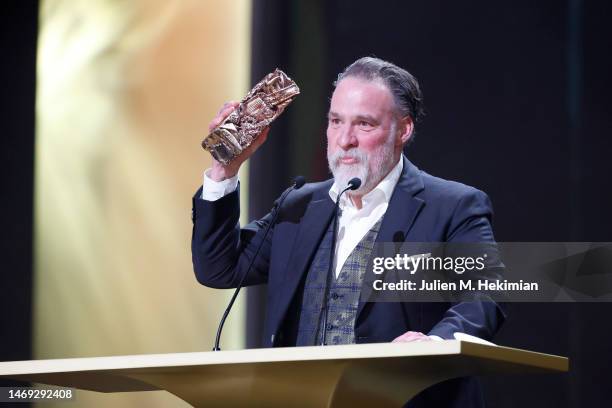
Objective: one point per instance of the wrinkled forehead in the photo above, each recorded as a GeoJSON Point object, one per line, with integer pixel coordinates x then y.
{"type": "Point", "coordinates": [357, 96]}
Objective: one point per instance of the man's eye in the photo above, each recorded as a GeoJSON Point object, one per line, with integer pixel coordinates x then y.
{"type": "Point", "coordinates": [363, 123]}
{"type": "Point", "coordinates": [334, 121]}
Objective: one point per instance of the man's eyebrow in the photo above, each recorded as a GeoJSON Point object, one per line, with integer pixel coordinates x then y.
{"type": "Point", "coordinates": [332, 114]}
{"type": "Point", "coordinates": [367, 118]}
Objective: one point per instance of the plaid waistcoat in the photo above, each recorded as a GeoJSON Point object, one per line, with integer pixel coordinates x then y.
{"type": "Point", "coordinates": [342, 295]}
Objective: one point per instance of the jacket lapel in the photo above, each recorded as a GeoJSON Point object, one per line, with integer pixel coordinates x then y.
{"type": "Point", "coordinates": [400, 215]}
{"type": "Point", "coordinates": [403, 206]}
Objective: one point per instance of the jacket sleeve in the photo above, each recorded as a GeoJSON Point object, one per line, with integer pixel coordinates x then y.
{"type": "Point", "coordinates": [471, 223]}
{"type": "Point", "coordinates": [221, 250]}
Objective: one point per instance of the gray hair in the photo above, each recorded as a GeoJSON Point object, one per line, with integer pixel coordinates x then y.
{"type": "Point", "coordinates": [403, 86]}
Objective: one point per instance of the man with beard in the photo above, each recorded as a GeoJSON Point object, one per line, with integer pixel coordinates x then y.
{"type": "Point", "coordinates": [371, 118]}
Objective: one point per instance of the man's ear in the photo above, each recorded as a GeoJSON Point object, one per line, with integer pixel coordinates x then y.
{"type": "Point", "coordinates": [405, 128]}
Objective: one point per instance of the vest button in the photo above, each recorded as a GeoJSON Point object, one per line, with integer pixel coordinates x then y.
{"type": "Point", "coordinates": [335, 296]}
{"type": "Point", "coordinates": [330, 327]}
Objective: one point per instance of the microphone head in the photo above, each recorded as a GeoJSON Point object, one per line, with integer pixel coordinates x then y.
{"type": "Point", "coordinates": [354, 183]}
{"type": "Point", "coordinates": [298, 182]}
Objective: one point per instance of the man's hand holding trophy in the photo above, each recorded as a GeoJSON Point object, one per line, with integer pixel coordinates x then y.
{"type": "Point", "coordinates": [241, 127]}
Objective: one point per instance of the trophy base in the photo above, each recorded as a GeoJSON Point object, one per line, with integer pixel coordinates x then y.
{"type": "Point", "coordinates": [222, 145]}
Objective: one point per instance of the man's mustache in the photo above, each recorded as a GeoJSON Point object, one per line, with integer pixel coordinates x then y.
{"type": "Point", "coordinates": [348, 154]}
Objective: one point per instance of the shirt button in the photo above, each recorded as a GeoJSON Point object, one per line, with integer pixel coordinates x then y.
{"type": "Point", "coordinates": [335, 296]}
{"type": "Point", "coordinates": [330, 327]}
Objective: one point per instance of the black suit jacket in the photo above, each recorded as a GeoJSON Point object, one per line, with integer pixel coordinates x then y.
{"type": "Point", "coordinates": [422, 208]}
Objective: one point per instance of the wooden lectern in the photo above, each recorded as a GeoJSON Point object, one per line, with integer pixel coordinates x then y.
{"type": "Point", "coordinates": [381, 375]}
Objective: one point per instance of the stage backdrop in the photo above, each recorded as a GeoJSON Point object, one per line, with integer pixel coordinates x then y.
{"type": "Point", "coordinates": [125, 92]}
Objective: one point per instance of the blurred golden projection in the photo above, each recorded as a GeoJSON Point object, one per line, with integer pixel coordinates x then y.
{"type": "Point", "coordinates": [125, 92]}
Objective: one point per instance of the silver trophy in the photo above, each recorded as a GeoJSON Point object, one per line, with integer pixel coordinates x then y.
{"type": "Point", "coordinates": [264, 103]}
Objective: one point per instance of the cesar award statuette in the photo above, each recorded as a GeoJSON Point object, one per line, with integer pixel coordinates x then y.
{"type": "Point", "coordinates": [264, 103]}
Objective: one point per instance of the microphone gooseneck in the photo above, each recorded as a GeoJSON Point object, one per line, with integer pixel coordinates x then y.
{"type": "Point", "coordinates": [353, 184]}
{"type": "Point", "coordinates": [298, 182]}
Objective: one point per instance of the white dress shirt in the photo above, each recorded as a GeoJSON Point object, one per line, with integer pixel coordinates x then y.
{"type": "Point", "coordinates": [354, 223]}
{"type": "Point", "coordinates": [213, 190]}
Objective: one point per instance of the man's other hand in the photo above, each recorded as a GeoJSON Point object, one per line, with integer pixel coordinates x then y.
{"type": "Point", "coordinates": [219, 172]}
{"type": "Point", "coordinates": [411, 336]}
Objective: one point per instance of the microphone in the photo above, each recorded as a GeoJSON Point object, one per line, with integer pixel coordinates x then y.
{"type": "Point", "coordinates": [353, 184]}
{"type": "Point", "coordinates": [298, 182]}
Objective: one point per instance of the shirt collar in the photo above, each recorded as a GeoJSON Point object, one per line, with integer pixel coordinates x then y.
{"type": "Point", "coordinates": [381, 193]}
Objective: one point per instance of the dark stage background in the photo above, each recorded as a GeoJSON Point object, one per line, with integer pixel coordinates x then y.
{"type": "Point", "coordinates": [517, 101]}
{"type": "Point", "coordinates": [19, 30]}
{"type": "Point", "coordinates": [17, 100]}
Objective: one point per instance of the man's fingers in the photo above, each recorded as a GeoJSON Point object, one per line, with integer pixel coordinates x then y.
{"type": "Point", "coordinates": [411, 336]}
{"type": "Point", "coordinates": [224, 112]}
{"type": "Point", "coordinates": [228, 106]}
{"type": "Point", "coordinates": [404, 339]}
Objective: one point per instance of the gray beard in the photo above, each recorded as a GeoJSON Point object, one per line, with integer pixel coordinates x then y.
{"type": "Point", "coordinates": [343, 173]}
{"type": "Point", "coordinates": [382, 163]}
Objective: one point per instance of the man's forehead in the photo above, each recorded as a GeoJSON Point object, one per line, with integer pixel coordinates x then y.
{"type": "Point", "coordinates": [360, 96]}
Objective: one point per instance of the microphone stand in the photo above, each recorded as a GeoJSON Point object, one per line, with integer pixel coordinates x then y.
{"type": "Point", "coordinates": [297, 183]}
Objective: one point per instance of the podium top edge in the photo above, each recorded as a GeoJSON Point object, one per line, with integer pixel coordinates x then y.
{"type": "Point", "coordinates": [283, 354]}
{"type": "Point", "coordinates": [544, 361]}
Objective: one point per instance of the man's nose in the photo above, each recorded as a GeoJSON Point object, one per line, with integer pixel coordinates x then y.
{"type": "Point", "coordinates": [347, 138]}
